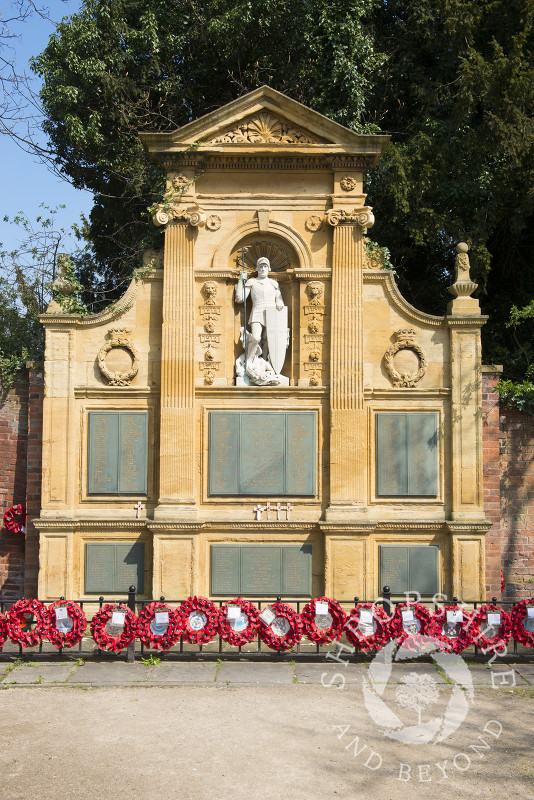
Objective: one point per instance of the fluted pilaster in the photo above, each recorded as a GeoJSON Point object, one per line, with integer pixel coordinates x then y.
{"type": "Point", "coordinates": [177, 431]}
{"type": "Point", "coordinates": [347, 439]}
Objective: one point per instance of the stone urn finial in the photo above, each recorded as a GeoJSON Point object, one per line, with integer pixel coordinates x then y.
{"type": "Point", "coordinates": [64, 283]}
{"type": "Point", "coordinates": [463, 285]}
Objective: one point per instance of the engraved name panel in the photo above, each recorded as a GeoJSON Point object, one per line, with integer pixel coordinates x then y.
{"type": "Point", "coordinates": [262, 453]}
{"type": "Point", "coordinates": [114, 567]}
{"type": "Point", "coordinates": [261, 570]}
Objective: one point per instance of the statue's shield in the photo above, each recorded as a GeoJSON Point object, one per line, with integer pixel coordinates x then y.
{"type": "Point", "coordinates": [276, 324]}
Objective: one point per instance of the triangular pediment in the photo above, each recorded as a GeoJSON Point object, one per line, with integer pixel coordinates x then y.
{"type": "Point", "coordinates": [264, 119]}
{"type": "Point", "coordinates": [265, 127]}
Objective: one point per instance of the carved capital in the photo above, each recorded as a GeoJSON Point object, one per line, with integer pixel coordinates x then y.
{"type": "Point", "coordinates": [339, 216]}
{"type": "Point", "coordinates": [194, 216]}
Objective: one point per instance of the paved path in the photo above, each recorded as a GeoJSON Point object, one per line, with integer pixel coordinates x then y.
{"type": "Point", "coordinates": [54, 673]}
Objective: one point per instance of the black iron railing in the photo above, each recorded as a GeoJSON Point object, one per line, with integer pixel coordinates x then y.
{"type": "Point", "coordinates": [256, 649]}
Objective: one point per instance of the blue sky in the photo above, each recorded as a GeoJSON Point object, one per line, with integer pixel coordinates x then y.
{"type": "Point", "coordinates": [26, 183]}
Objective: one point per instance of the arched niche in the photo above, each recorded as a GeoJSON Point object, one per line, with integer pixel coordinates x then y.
{"type": "Point", "coordinates": [278, 232]}
{"type": "Point", "coordinates": [285, 261]}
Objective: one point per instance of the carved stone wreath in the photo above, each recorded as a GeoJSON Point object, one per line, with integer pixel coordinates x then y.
{"type": "Point", "coordinates": [404, 341]}
{"type": "Point", "coordinates": [118, 337]}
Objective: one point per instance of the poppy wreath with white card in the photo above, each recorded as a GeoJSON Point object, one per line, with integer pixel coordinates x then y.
{"type": "Point", "coordinates": [122, 622]}
{"type": "Point", "coordinates": [481, 624]}
{"type": "Point", "coordinates": [281, 631]}
{"type": "Point", "coordinates": [158, 626]}
{"type": "Point", "coordinates": [523, 612]}
{"type": "Point", "coordinates": [238, 621]}
{"type": "Point", "coordinates": [450, 628]}
{"type": "Point", "coordinates": [17, 621]}
{"type": "Point", "coordinates": [403, 628]}
{"type": "Point", "coordinates": [323, 620]}
{"type": "Point", "coordinates": [200, 618]}
{"type": "Point", "coordinates": [367, 627]}
{"type": "Point", "coordinates": [3, 630]}
{"type": "Point", "coordinates": [66, 623]}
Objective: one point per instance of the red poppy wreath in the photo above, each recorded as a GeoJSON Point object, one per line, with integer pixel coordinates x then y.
{"type": "Point", "coordinates": [113, 627]}
{"type": "Point", "coordinates": [3, 630]}
{"type": "Point", "coordinates": [481, 624]}
{"type": "Point", "coordinates": [323, 620]}
{"type": "Point", "coordinates": [17, 621]}
{"type": "Point", "coordinates": [158, 626]}
{"type": "Point", "coordinates": [449, 627]}
{"type": "Point", "coordinates": [239, 626]}
{"type": "Point", "coordinates": [66, 623]}
{"type": "Point", "coordinates": [519, 616]}
{"type": "Point", "coordinates": [199, 618]}
{"type": "Point", "coordinates": [280, 627]}
{"type": "Point", "coordinates": [404, 626]}
{"type": "Point", "coordinates": [367, 627]}
{"type": "Point", "coordinates": [15, 519]}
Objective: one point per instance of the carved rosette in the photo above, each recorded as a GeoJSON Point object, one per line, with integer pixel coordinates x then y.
{"type": "Point", "coordinates": [314, 312]}
{"type": "Point", "coordinates": [404, 341]}
{"type": "Point", "coordinates": [118, 337]}
{"type": "Point", "coordinates": [348, 183]}
{"type": "Point", "coordinates": [339, 216]}
{"type": "Point", "coordinates": [210, 340]}
{"type": "Point", "coordinates": [195, 216]}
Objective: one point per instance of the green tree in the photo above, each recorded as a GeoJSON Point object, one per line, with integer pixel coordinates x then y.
{"type": "Point", "coordinates": [451, 80]}
{"type": "Point", "coordinates": [458, 94]}
{"type": "Point", "coordinates": [26, 276]}
{"type": "Point", "coordinates": [120, 66]}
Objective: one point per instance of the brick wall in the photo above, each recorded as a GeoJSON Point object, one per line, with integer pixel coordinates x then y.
{"type": "Point", "coordinates": [508, 443]}
{"type": "Point", "coordinates": [492, 480]}
{"type": "Point", "coordinates": [517, 503]}
{"type": "Point", "coordinates": [21, 414]}
{"type": "Point", "coordinates": [13, 453]}
{"type": "Point", "coordinates": [33, 478]}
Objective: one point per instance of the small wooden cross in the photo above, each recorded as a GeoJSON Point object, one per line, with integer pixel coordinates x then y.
{"type": "Point", "coordinates": [289, 509]}
{"type": "Point", "coordinates": [258, 509]}
{"type": "Point", "coordinates": [268, 509]}
{"type": "Point", "coordinates": [278, 510]}
{"type": "Point", "coordinates": [139, 507]}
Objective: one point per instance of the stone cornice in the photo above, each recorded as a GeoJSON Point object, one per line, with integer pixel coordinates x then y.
{"type": "Point", "coordinates": [478, 528]}
{"type": "Point", "coordinates": [56, 524]}
{"type": "Point", "coordinates": [386, 277]}
{"type": "Point", "coordinates": [465, 321]}
{"type": "Point", "coordinates": [267, 157]}
{"type": "Point", "coordinates": [116, 391]}
{"type": "Point", "coordinates": [109, 314]}
{"type": "Point", "coordinates": [258, 392]}
{"type": "Point", "coordinates": [405, 392]}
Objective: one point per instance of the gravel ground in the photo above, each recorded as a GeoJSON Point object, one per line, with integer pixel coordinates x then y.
{"type": "Point", "coordinates": [261, 734]}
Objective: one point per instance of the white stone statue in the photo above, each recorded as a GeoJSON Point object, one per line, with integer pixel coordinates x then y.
{"type": "Point", "coordinates": [267, 341]}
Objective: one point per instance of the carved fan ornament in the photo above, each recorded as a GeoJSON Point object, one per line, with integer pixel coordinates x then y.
{"type": "Point", "coordinates": [118, 337]}
{"type": "Point", "coordinates": [266, 128]}
{"type": "Point", "coordinates": [278, 257]}
{"type": "Point", "coordinates": [404, 341]}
